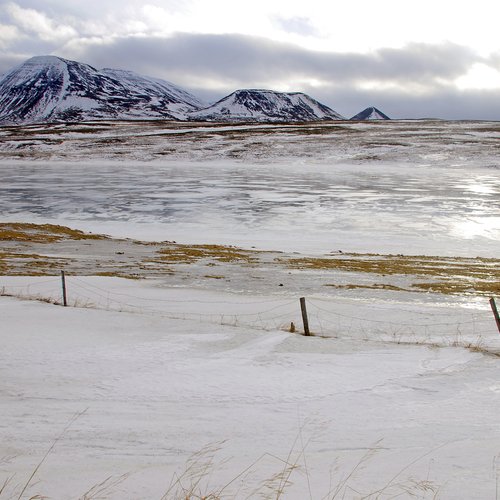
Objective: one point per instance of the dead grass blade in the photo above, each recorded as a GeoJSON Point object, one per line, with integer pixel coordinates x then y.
{"type": "Point", "coordinates": [73, 419]}
{"type": "Point", "coordinates": [102, 490]}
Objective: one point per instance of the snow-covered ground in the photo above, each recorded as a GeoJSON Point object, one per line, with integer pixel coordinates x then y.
{"type": "Point", "coordinates": [398, 388]}
{"type": "Point", "coordinates": [151, 383]}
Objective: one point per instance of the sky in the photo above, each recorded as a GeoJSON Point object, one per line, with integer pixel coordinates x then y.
{"type": "Point", "coordinates": [409, 58]}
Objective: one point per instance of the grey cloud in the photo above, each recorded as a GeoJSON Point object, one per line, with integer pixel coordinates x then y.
{"type": "Point", "coordinates": [8, 61]}
{"type": "Point", "coordinates": [240, 59]}
{"type": "Point", "coordinates": [494, 60]}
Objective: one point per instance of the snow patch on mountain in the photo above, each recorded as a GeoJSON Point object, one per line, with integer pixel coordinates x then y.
{"type": "Point", "coordinates": [133, 81]}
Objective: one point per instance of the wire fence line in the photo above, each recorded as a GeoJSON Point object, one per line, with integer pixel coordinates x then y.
{"type": "Point", "coordinates": [87, 295]}
{"type": "Point", "coordinates": [327, 317]}
{"type": "Point", "coordinates": [466, 313]}
{"type": "Point", "coordinates": [455, 323]}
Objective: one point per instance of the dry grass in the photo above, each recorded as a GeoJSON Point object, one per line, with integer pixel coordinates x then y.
{"type": "Point", "coordinates": [189, 254]}
{"type": "Point", "coordinates": [20, 264]}
{"type": "Point", "coordinates": [457, 275]}
{"type": "Point", "coordinates": [375, 286]}
{"type": "Point", "coordinates": [461, 286]}
{"type": "Point", "coordinates": [403, 264]}
{"type": "Point", "coordinates": [457, 286]}
{"type": "Point", "coordinates": [118, 274]}
{"type": "Point", "coordinates": [193, 483]}
{"type": "Point", "coordinates": [42, 233]}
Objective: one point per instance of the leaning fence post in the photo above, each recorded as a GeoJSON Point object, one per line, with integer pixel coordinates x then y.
{"type": "Point", "coordinates": [495, 312]}
{"type": "Point", "coordinates": [307, 333]}
{"type": "Point", "coordinates": [63, 280]}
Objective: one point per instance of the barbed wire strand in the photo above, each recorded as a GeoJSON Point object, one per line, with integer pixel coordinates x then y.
{"type": "Point", "coordinates": [174, 300]}
{"type": "Point", "coordinates": [427, 313]}
{"type": "Point", "coordinates": [393, 322]}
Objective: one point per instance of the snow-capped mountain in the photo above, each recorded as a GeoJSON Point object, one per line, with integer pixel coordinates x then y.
{"type": "Point", "coordinates": [370, 113]}
{"type": "Point", "coordinates": [266, 105]}
{"type": "Point", "coordinates": [48, 88]}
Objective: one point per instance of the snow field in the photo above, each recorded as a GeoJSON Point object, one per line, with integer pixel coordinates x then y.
{"type": "Point", "coordinates": [152, 390]}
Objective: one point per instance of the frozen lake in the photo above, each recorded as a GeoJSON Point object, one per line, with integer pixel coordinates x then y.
{"type": "Point", "coordinates": [297, 206]}
{"type": "Point", "coordinates": [414, 187]}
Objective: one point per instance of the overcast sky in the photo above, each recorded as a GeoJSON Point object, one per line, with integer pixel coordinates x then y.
{"type": "Point", "coordinates": [410, 58]}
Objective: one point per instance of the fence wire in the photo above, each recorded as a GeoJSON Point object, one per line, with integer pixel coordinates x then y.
{"type": "Point", "coordinates": [327, 317]}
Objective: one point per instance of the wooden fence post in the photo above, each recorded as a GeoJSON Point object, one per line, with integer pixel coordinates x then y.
{"type": "Point", "coordinates": [495, 312]}
{"type": "Point", "coordinates": [307, 333]}
{"type": "Point", "coordinates": [63, 280]}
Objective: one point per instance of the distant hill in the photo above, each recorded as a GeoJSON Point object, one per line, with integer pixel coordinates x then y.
{"type": "Point", "coordinates": [266, 105]}
{"type": "Point", "coordinates": [370, 114]}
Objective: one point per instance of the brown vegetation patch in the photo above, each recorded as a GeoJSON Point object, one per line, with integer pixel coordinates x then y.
{"type": "Point", "coordinates": [375, 286]}
{"type": "Point", "coordinates": [21, 264]}
{"type": "Point", "coordinates": [189, 254]}
{"type": "Point", "coordinates": [462, 287]}
{"type": "Point", "coordinates": [479, 276]}
{"type": "Point", "coordinates": [477, 268]}
{"type": "Point", "coordinates": [118, 274]}
{"type": "Point", "coordinates": [42, 233]}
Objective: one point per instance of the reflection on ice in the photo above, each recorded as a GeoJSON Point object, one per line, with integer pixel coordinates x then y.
{"type": "Point", "coordinates": [486, 227]}
{"type": "Point", "coordinates": [482, 185]}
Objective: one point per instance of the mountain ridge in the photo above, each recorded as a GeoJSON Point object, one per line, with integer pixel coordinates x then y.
{"type": "Point", "coordinates": [52, 89]}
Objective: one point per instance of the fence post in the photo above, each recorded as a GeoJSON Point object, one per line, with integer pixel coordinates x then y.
{"type": "Point", "coordinates": [307, 333]}
{"type": "Point", "coordinates": [63, 280]}
{"type": "Point", "coordinates": [495, 312]}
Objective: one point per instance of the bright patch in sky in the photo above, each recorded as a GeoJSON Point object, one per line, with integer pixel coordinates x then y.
{"type": "Point", "coordinates": [480, 76]}
{"type": "Point", "coordinates": [358, 25]}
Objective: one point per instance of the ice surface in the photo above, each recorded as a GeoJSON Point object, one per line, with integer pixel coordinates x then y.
{"type": "Point", "coordinates": [306, 208]}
